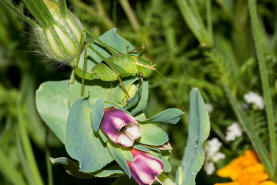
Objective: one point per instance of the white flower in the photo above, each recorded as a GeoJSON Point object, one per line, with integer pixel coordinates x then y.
{"type": "Point", "coordinates": [209, 107]}
{"type": "Point", "coordinates": [218, 156]}
{"type": "Point", "coordinates": [209, 168]}
{"type": "Point", "coordinates": [255, 99]}
{"type": "Point", "coordinates": [213, 155]}
{"type": "Point", "coordinates": [212, 147]}
{"type": "Point", "coordinates": [233, 131]}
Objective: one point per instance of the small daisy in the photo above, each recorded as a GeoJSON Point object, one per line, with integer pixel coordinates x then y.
{"type": "Point", "coordinates": [213, 155]}
{"type": "Point", "coordinates": [233, 131]}
{"type": "Point", "coordinates": [254, 98]}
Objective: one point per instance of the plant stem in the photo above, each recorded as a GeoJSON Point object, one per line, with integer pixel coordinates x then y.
{"type": "Point", "coordinates": [107, 23]}
{"type": "Point", "coordinates": [84, 71]}
{"type": "Point", "coordinates": [250, 131]}
{"type": "Point", "coordinates": [264, 78]}
{"type": "Point", "coordinates": [27, 145]}
{"type": "Point", "coordinates": [130, 14]}
{"type": "Point", "coordinates": [10, 171]}
{"type": "Point", "coordinates": [48, 162]}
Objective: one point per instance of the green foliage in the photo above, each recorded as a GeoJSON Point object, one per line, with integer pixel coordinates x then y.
{"type": "Point", "coordinates": [155, 137]}
{"type": "Point", "coordinates": [81, 142]}
{"type": "Point", "coordinates": [199, 129]}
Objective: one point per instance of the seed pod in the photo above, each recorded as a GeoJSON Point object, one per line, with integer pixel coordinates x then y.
{"type": "Point", "coordinates": [60, 40]}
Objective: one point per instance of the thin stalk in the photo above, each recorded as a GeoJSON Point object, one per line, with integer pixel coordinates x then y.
{"type": "Point", "coordinates": [16, 10]}
{"type": "Point", "coordinates": [84, 71]}
{"type": "Point", "coordinates": [165, 180]}
{"type": "Point", "coordinates": [9, 171]}
{"type": "Point", "coordinates": [264, 78]}
{"type": "Point", "coordinates": [101, 12]}
{"type": "Point", "coordinates": [48, 162]}
{"type": "Point", "coordinates": [130, 14]}
{"type": "Point", "coordinates": [250, 131]}
{"type": "Point", "coordinates": [107, 23]}
{"type": "Point", "coordinates": [27, 145]}
{"type": "Point", "coordinates": [209, 19]}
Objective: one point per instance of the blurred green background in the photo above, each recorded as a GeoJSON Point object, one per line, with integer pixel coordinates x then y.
{"type": "Point", "coordinates": [185, 63]}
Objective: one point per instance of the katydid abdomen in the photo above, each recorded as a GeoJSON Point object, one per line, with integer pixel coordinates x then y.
{"type": "Point", "coordinates": [120, 65]}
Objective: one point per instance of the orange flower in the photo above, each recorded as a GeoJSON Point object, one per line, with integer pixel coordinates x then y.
{"type": "Point", "coordinates": [233, 169]}
{"type": "Point", "coordinates": [232, 183]}
{"type": "Point", "coordinates": [268, 183]}
{"type": "Point", "coordinates": [252, 175]}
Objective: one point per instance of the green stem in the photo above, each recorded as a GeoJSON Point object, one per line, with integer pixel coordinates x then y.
{"type": "Point", "coordinates": [164, 179]}
{"type": "Point", "coordinates": [84, 72]}
{"type": "Point", "coordinates": [48, 162]}
{"type": "Point", "coordinates": [9, 171]}
{"type": "Point", "coordinates": [130, 14]}
{"type": "Point", "coordinates": [95, 14]}
{"type": "Point", "coordinates": [264, 79]}
{"type": "Point", "coordinates": [250, 131]}
{"type": "Point", "coordinates": [27, 145]}
{"type": "Point", "coordinates": [209, 19]}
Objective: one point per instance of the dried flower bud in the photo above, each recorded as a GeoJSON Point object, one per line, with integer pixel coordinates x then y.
{"type": "Point", "coordinates": [60, 40]}
{"type": "Point", "coordinates": [145, 168]}
{"type": "Point", "coordinates": [120, 127]}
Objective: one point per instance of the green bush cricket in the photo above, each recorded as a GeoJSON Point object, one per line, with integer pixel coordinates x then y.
{"type": "Point", "coordinates": [115, 67]}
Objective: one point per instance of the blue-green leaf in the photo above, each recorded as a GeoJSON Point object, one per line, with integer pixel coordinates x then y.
{"type": "Point", "coordinates": [52, 105]}
{"type": "Point", "coordinates": [143, 98]}
{"type": "Point", "coordinates": [170, 116]}
{"type": "Point", "coordinates": [72, 168]}
{"type": "Point", "coordinates": [152, 135]}
{"type": "Point", "coordinates": [81, 142]}
{"type": "Point", "coordinates": [119, 157]}
{"type": "Point", "coordinates": [96, 114]}
{"type": "Point", "coordinates": [198, 132]}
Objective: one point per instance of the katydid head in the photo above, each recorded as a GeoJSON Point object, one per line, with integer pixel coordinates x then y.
{"type": "Point", "coordinates": [145, 67]}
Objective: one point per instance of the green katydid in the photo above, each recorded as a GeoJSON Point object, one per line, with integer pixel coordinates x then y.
{"type": "Point", "coordinates": [116, 66]}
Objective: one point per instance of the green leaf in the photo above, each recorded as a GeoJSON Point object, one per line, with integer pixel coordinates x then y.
{"type": "Point", "coordinates": [72, 168]}
{"type": "Point", "coordinates": [170, 116]}
{"type": "Point", "coordinates": [97, 89]}
{"type": "Point", "coordinates": [52, 105]}
{"type": "Point", "coordinates": [81, 142]}
{"type": "Point", "coordinates": [198, 132]}
{"type": "Point", "coordinates": [152, 135]}
{"type": "Point", "coordinates": [96, 114]}
{"type": "Point", "coordinates": [119, 157]}
{"type": "Point", "coordinates": [143, 99]}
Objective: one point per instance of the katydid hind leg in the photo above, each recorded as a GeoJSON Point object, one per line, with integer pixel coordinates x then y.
{"type": "Point", "coordinates": [140, 79]}
{"type": "Point", "coordinates": [123, 87]}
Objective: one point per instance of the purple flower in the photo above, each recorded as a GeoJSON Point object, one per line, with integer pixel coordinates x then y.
{"type": "Point", "coordinates": [120, 127]}
{"type": "Point", "coordinates": [145, 168]}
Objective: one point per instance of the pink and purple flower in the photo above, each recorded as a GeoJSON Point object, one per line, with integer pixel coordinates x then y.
{"type": "Point", "coordinates": [145, 168]}
{"type": "Point", "coordinates": [120, 127]}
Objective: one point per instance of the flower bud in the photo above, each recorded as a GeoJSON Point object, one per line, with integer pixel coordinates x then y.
{"type": "Point", "coordinates": [145, 168]}
{"type": "Point", "coordinates": [120, 127]}
{"type": "Point", "coordinates": [60, 40]}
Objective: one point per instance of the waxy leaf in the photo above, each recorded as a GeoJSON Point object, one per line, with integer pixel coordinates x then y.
{"type": "Point", "coordinates": [198, 132]}
{"type": "Point", "coordinates": [52, 105]}
{"type": "Point", "coordinates": [96, 114]}
{"type": "Point", "coordinates": [170, 116]}
{"type": "Point", "coordinates": [143, 98]}
{"type": "Point", "coordinates": [81, 142]}
{"type": "Point", "coordinates": [119, 157]}
{"type": "Point", "coordinates": [152, 135]}
{"type": "Point", "coordinates": [72, 168]}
